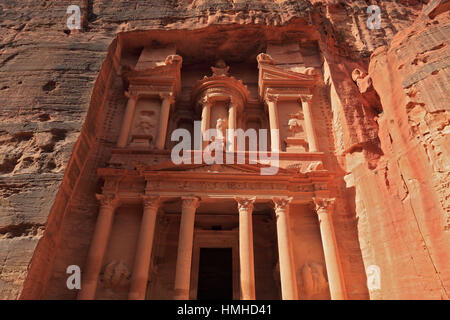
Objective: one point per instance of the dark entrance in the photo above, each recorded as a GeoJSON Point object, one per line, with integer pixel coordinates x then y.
{"type": "Point", "coordinates": [215, 274]}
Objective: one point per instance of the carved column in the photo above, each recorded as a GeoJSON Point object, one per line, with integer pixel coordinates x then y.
{"type": "Point", "coordinates": [167, 99]}
{"type": "Point", "coordinates": [127, 121]}
{"type": "Point", "coordinates": [232, 109]}
{"type": "Point", "coordinates": [99, 242]}
{"type": "Point", "coordinates": [285, 254]}
{"type": "Point", "coordinates": [324, 209]}
{"type": "Point", "coordinates": [206, 115]}
{"type": "Point", "coordinates": [309, 126]}
{"type": "Point", "coordinates": [185, 242]}
{"type": "Point", "coordinates": [246, 257]}
{"type": "Point", "coordinates": [271, 101]}
{"type": "Point", "coordinates": [139, 277]}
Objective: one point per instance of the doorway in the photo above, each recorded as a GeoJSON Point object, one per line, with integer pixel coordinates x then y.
{"type": "Point", "coordinates": [215, 274]}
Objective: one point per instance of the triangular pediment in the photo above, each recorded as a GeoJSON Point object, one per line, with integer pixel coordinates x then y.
{"type": "Point", "coordinates": [169, 166]}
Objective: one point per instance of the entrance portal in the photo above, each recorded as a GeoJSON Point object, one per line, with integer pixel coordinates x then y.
{"type": "Point", "coordinates": [215, 276]}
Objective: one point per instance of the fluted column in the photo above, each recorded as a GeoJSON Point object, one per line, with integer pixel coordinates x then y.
{"type": "Point", "coordinates": [139, 277]}
{"type": "Point", "coordinates": [99, 242]}
{"type": "Point", "coordinates": [185, 242]}
{"type": "Point", "coordinates": [246, 257]}
{"type": "Point", "coordinates": [309, 126]}
{"type": "Point", "coordinates": [271, 101]}
{"type": "Point", "coordinates": [285, 252]}
{"type": "Point", "coordinates": [231, 125]}
{"type": "Point", "coordinates": [324, 208]}
{"type": "Point", "coordinates": [163, 119]}
{"type": "Point", "coordinates": [127, 121]}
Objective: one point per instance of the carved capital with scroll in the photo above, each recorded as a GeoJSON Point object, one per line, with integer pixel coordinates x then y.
{"type": "Point", "coordinates": [306, 97]}
{"type": "Point", "coordinates": [324, 204]}
{"type": "Point", "coordinates": [282, 203]}
{"type": "Point", "coordinates": [108, 200]}
{"type": "Point", "coordinates": [190, 202]}
{"type": "Point", "coordinates": [245, 204]}
{"type": "Point", "coordinates": [151, 202]}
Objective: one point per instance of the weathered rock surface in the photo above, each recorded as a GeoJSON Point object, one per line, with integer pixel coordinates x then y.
{"type": "Point", "coordinates": [391, 139]}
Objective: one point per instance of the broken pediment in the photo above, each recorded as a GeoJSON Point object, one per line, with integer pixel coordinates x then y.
{"type": "Point", "coordinates": [163, 74]}
{"type": "Point", "coordinates": [274, 77]}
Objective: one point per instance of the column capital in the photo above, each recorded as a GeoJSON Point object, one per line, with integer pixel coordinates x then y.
{"type": "Point", "coordinates": [324, 204]}
{"type": "Point", "coordinates": [281, 203]}
{"type": "Point", "coordinates": [151, 201]}
{"type": "Point", "coordinates": [108, 200]}
{"type": "Point", "coordinates": [130, 95]}
{"type": "Point", "coordinates": [190, 202]}
{"type": "Point", "coordinates": [245, 204]}
{"type": "Point", "coordinates": [272, 97]}
{"type": "Point", "coordinates": [306, 97]}
{"type": "Point", "coordinates": [206, 101]}
{"type": "Point", "coordinates": [167, 96]}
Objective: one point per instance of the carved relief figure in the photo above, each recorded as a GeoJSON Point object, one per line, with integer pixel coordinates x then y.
{"type": "Point", "coordinates": [313, 279]}
{"type": "Point", "coordinates": [144, 129]}
{"type": "Point", "coordinates": [115, 275]}
{"type": "Point", "coordinates": [221, 126]}
{"type": "Point", "coordinates": [294, 123]}
{"type": "Point", "coordinates": [145, 123]}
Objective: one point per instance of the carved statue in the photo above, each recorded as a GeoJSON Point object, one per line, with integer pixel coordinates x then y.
{"type": "Point", "coordinates": [145, 123]}
{"type": "Point", "coordinates": [116, 274]}
{"type": "Point", "coordinates": [221, 126]}
{"type": "Point", "coordinates": [313, 279]}
{"type": "Point", "coordinates": [295, 124]}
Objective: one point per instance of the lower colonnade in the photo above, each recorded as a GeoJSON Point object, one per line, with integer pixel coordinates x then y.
{"type": "Point", "coordinates": [189, 204]}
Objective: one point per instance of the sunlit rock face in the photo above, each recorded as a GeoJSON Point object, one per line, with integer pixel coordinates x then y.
{"type": "Point", "coordinates": [363, 117]}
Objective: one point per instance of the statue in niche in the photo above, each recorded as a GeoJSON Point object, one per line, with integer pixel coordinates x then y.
{"type": "Point", "coordinates": [143, 130]}
{"type": "Point", "coordinates": [115, 275]}
{"type": "Point", "coordinates": [294, 123]}
{"type": "Point", "coordinates": [218, 142]}
{"type": "Point", "coordinates": [313, 279]}
{"type": "Point", "coordinates": [145, 123]}
{"type": "Point", "coordinates": [221, 126]}
{"type": "Point", "coordinates": [220, 69]}
{"type": "Point", "coordinates": [296, 142]}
